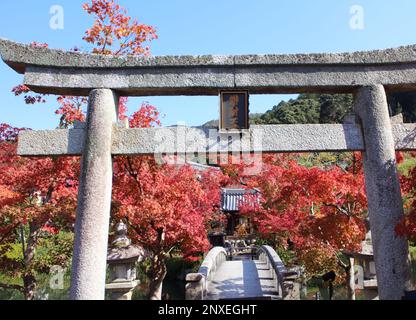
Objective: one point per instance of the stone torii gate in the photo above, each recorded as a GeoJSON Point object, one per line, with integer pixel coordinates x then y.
{"type": "Point", "coordinates": [368, 75]}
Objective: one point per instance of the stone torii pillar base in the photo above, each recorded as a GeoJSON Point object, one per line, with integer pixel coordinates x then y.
{"type": "Point", "coordinates": [94, 199]}
{"type": "Point", "coordinates": [385, 204]}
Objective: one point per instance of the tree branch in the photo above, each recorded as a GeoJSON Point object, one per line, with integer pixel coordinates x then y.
{"type": "Point", "coordinates": [343, 211]}
{"type": "Point", "coordinates": [336, 254]}
{"type": "Point", "coordinates": [17, 287]}
{"type": "Point", "coordinates": [5, 236]}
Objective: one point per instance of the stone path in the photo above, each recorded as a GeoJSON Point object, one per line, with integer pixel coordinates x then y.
{"type": "Point", "coordinates": [242, 279]}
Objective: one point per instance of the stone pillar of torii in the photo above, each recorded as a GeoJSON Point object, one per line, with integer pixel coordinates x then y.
{"type": "Point", "coordinates": [368, 75]}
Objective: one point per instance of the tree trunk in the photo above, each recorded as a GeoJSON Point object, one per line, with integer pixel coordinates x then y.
{"type": "Point", "coordinates": [158, 274]}
{"type": "Point", "coordinates": [29, 280]}
{"type": "Point", "coordinates": [349, 278]}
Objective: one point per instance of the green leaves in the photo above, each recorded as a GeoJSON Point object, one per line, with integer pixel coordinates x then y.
{"type": "Point", "coordinates": [308, 108]}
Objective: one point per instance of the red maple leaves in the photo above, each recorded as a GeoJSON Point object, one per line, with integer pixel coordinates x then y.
{"type": "Point", "coordinates": [70, 109]}
{"type": "Point", "coordinates": [168, 207]}
{"type": "Point", "coordinates": [407, 227]}
{"type": "Point", "coordinates": [113, 33]}
{"type": "Point", "coordinates": [320, 209]}
{"type": "Point", "coordinates": [114, 28]}
{"type": "Point", "coordinates": [147, 116]}
{"type": "Point", "coordinates": [36, 191]}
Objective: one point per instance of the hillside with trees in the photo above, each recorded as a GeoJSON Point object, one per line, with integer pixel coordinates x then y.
{"type": "Point", "coordinates": [325, 108]}
{"type": "Point", "coordinates": [308, 108]}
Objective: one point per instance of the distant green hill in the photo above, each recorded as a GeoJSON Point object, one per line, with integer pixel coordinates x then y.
{"type": "Point", "coordinates": [308, 108]}
{"type": "Point", "coordinates": [325, 108]}
{"type": "Point", "coordinates": [211, 124]}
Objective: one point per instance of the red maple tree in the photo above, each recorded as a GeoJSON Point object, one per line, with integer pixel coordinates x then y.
{"type": "Point", "coordinates": [39, 195]}
{"type": "Point", "coordinates": [113, 32]}
{"type": "Point", "coordinates": [167, 207]}
{"type": "Point", "coordinates": [407, 227]}
{"type": "Point", "coordinates": [36, 196]}
{"type": "Point", "coordinates": [316, 212]}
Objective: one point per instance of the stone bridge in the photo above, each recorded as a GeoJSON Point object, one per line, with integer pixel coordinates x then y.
{"type": "Point", "coordinates": [263, 276]}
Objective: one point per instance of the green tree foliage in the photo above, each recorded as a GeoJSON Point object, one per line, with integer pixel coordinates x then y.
{"type": "Point", "coordinates": [405, 103]}
{"type": "Point", "coordinates": [308, 108]}
{"type": "Point", "coordinates": [330, 108]}
{"type": "Point", "coordinates": [326, 108]}
{"type": "Point", "coordinates": [334, 107]}
{"type": "Point", "coordinates": [300, 110]}
{"type": "Point", "coordinates": [53, 249]}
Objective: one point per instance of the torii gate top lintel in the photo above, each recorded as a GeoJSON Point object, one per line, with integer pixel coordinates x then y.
{"type": "Point", "coordinates": [74, 73]}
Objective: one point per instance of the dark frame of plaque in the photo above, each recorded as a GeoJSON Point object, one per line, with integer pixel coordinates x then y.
{"type": "Point", "coordinates": [234, 110]}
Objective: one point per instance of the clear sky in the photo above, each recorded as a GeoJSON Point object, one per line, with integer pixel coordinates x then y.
{"type": "Point", "coordinates": [208, 27]}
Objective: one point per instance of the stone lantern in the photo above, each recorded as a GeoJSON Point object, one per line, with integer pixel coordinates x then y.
{"type": "Point", "coordinates": [122, 258]}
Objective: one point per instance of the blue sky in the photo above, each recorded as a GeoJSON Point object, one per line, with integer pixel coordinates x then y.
{"type": "Point", "coordinates": [207, 27]}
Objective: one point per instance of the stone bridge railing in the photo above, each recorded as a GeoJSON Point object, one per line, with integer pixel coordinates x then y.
{"type": "Point", "coordinates": [196, 287]}
{"type": "Point", "coordinates": [288, 279]}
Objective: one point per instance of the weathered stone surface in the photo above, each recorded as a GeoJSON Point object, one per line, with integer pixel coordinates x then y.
{"type": "Point", "coordinates": [124, 254]}
{"type": "Point", "coordinates": [60, 72]}
{"type": "Point", "coordinates": [122, 290]}
{"type": "Point", "coordinates": [242, 279]}
{"type": "Point", "coordinates": [324, 78]}
{"type": "Point", "coordinates": [298, 138]}
{"type": "Point", "coordinates": [122, 286]}
{"type": "Point", "coordinates": [270, 138]}
{"type": "Point", "coordinates": [246, 278]}
{"type": "Point", "coordinates": [197, 282]}
{"type": "Point", "coordinates": [397, 119]}
{"type": "Point", "coordinates": [51, 142]}
{"type": "Point", "coordinates": [383, 193]}
{"type": "Point", "coordinates": [194, 277]}
{"type": "Point", "coordinates": [215, 257]}
{"type": "Point", "coordinates": [195, 289]}
{"type": "Point", "coordinates": [94, 199]}
{"type": "Point", "coordinates": [368, 73]}
{"type": "Point", "coordinates": [393, 55]}
{"type": "Point", "coordinates": [19, 55]}
{"type": "Point", "coordinates": [287, 278]}
{"type": "Point", "coordinates": [131, 81]}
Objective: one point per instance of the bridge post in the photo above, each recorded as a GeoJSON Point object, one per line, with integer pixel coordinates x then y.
{"type": "Point", "coordinates": [195, 286]}
{"type": "Point", "coordinates": [94, 199]}
{"type": "Point", "coordinates": [383, 192]}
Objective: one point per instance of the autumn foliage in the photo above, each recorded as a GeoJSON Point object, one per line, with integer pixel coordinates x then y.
{"type": "Point", "coordinates": [407, 227]}
{"type": "Point", "coordinates": [113, 32]}
{"type": "Point", "coordinates": [167, 207]}
{"type": "Point", "coordinates": [37, 198]}
{"type": "Point", "coordinates": [317, 212]}
{"type": "Point", "coordinates": [116, 33]}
